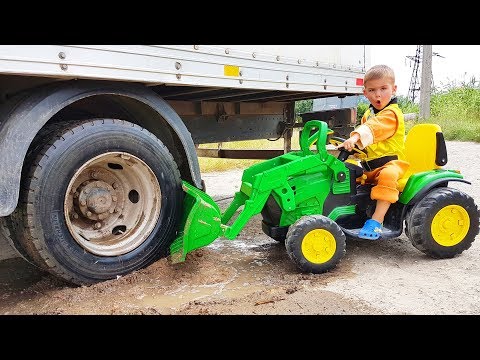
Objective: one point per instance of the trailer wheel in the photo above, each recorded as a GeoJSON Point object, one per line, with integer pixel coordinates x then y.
{"type": "Point", "coordinates": [103, 198]}
{"type": "Point", "coordinates": [444, 223]}
{"type": "Point", "coordinates": [13, 228]}
{"type": "Point", "coordinates": [315, 243]}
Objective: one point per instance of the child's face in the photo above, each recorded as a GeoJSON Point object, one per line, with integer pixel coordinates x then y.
{"type": "Point", "coordinates": [379, 92]}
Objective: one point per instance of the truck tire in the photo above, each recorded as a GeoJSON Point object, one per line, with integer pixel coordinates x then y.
{"type": "Point", "coordinates": [102, 198]}
{"type": "Point", "coordinates": [444, 223]}
{"type": "Point", "coordinates": [6, 242]}
{"type": "Point", "coordinates": [13, 228]}
{"type": "Point", "coordinates": [315, 243]}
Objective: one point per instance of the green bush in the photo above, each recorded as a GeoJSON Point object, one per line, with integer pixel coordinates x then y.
{"type": "Point", "coordinates": [406, 105]}
{"type": "Point", "coordinates": [456, 108]}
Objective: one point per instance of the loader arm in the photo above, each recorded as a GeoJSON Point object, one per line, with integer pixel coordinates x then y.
{"type": "Point", "coordinates": [203, 221]}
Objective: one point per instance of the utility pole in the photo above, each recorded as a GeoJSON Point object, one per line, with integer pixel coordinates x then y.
{"type": "Point", "coordinates": [426, 82]}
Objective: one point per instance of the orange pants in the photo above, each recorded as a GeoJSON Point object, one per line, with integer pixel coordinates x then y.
{"type": "Point", "coordinates": [385, 180]}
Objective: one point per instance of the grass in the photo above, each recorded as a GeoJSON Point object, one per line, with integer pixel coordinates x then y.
{"type": "Point", "coordinates": [457, 111]}
{"type": "Point", "coordinates": [456, 108]}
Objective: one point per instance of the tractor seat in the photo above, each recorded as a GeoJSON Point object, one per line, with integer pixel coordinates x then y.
{"type": "Point", "coordinates": [425, 150]}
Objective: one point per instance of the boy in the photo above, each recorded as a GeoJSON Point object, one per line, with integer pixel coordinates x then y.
{"type": "Point", "coordinates": [382, 135]}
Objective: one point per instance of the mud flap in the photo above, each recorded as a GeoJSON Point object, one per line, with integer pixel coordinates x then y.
{"type": "Point", "coordinates": [201, 223]}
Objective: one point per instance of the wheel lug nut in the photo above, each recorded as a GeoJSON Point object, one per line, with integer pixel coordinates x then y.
{"type": "Point", "coordinates": [98, 225]}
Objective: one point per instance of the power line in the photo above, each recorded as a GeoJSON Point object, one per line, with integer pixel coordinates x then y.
{"type": "Point", "coordinates": [414, 82]}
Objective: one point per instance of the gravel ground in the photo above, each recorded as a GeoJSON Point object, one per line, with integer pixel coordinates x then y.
{"type": "Point", "coordinates": [253, 275]}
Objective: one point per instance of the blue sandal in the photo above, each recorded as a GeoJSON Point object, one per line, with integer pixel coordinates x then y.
{"type": "Point", "coordinates": [371, 230]}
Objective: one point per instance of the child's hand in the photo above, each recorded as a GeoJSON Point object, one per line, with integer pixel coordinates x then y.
{"type": "Point", "coordinates": [350, 143]}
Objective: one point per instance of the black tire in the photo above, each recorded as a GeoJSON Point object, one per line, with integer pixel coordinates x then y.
{"type": "Point", "coordinates": [408, 220]}
{"type": "Point", "coordinates": [62, 205]}
{"type": "Point", "coordinates": [302, 240]}
{"type": "Point", "coordinates": [444, 223]}
{"type": "Point", "coordinates": [13, 227]}
{"type": "Point", "coordinates": [6, 235]}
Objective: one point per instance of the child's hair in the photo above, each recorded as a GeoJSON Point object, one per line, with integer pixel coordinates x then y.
{"type": "Point", "coordinates": [379, 72]}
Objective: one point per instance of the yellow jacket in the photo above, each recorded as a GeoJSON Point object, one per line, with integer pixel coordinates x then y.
{"type": "Point", "coordinates": [383, 133]}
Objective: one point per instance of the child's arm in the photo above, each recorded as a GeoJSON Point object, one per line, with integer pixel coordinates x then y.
{"type": "Point", "coordinates": [376, 128]}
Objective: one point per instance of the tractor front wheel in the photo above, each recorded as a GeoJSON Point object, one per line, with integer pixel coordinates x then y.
{"type": "Point", "coordinates": [315, 243]}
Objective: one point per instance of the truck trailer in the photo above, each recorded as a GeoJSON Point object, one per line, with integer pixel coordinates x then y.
{"type": "Point", "coordinates": [95, 140]}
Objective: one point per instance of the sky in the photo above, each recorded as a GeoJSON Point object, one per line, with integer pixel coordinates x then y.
{"type": "Point", "coordinates": [457, 64]}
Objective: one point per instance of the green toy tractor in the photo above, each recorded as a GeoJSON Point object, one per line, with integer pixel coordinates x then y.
{"type": "Point", "coordinates": [312, 201]}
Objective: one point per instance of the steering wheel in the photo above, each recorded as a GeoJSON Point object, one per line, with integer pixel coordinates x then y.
{"type": "Point", "coordinates": [344, 154]}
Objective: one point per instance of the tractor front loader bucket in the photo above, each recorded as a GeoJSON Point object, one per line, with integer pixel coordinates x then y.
{"type": "Point", "coordinates": [201, 223]}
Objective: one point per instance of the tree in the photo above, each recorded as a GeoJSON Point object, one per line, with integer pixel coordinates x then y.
{"type": "Point", "coordinates": [303, 106]}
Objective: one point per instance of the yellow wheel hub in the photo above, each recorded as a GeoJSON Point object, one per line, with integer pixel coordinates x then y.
{"type": "Point", "coordinates": [319, 246]}
{"type": "Point", "coordinates": [450, 225]}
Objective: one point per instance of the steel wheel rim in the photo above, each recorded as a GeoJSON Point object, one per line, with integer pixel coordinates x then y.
{"type": "Point", "coordinates": [112, 204]}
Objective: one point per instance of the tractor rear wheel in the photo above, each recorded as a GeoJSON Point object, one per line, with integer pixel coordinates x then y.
{"type": "Point", "coordinates": [444, 223]}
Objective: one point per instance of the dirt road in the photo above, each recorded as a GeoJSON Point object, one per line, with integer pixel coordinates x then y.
{"type": "Point", "coordinates": [253, 275]}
